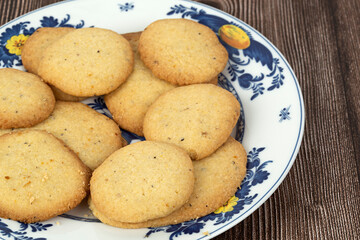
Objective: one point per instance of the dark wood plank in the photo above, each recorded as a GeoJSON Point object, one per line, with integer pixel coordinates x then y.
{"type": "Point", "coordinates": [347, 30]}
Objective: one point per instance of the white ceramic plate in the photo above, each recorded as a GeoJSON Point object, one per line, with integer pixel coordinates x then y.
{"type": "Point", "coordinates": [270, 128]}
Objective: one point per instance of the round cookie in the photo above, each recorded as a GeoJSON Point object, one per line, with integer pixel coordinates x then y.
{"type": "Point", "coordinates": [25, 99]}
{"type": "Point", "coordinates": [142, 181]}
{"type": "Point", "coordinates": [199, 118]}
{"type": "Point", "coordinates": [87, 62]}
{"type": "Point", "coordinates": [129, 103]}
{"type": "Point", "coordinates": [36, 44]}
{"type": "Point", "coordinates": [217, 179]}
{"type": "Point", "coordinates": [182, 51]}
{"type": "Point", "coordinates": [49, 181]}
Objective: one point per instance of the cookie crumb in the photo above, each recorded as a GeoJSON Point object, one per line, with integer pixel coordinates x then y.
{"type": "Point", "coordinates": [45, 178]}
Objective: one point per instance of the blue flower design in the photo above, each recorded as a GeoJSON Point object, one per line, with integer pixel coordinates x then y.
{"type": "Point", "coordinates": [126, 7]}
{"type": "Point", "coordinates": [99, 105]}
{"type": "Point", "coordinates": [285, 114]}
{"type": "Point", "coordinates": [6, 58]}
{"type": "Point", "coordinates": [22, 232]}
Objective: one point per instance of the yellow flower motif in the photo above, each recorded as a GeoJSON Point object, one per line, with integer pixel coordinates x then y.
{"type": "Point", "coordinates": [234, 36]}
{"type": "Point", "coordinates": [229, 205]}
{"type": "Point", "coordinates": [15, 44]}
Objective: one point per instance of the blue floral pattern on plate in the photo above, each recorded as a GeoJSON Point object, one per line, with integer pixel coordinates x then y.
{"type": "Point", "coordinates": [285, 114]}
{"type": "Point", "coordinates": [126, 7]}
{"type": "Point", "coordinates": [22, 232]}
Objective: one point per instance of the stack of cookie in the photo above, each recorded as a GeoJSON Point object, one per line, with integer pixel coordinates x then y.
{"type": "Point", "coordinates": [169, 98]}
{"type": "Point", "coordinates": [160, 84]}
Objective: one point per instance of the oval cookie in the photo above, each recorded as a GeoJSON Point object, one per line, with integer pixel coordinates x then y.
{"type": "Point", "coordinates": [49, 181]}
{"type": "Point", "coordinates": [142, 181]}
{"type": "Point", "coordinates": [199, 118]}
{"type": "Point", "coordinates": [217, 179]}
{"type": "Point", "coordinates": [25, 99]}
{"type": "Point", "coordinates": [87, 62]}
{"type": "Point", "coordinates": [182, 51]}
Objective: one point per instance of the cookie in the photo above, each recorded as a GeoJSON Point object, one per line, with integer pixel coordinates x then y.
{"type": "Point", "coordinates": [25, 99]}
{"type": "Point", "coordinates": [36, 44]}
{"type": "Point", "coordinates": [87, 62]}
{"type": "Point", "coordinates": [198, 118]}
{"type": "Point", "coordinates": [91, 135]}
{"type": "Point", "coordinates": [182, 51]}
{"type": "Point", "coordinates": [61, 96]}
{"type": "Point", "coordinates": [129, 103]}
{"type": "Point", "coordinates": [142, 181]}
{"type": "Point", "coordinates": [48, 181]}
{"type": "Point", "coordinates": [217, 179]}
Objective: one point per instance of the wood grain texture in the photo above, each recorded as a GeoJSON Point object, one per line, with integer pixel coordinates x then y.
{"type": "Point", "coordinates": [320, 197]}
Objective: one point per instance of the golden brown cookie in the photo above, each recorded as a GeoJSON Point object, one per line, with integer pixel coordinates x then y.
{"type": "Point", "coordinates": [182, 51]}
{"type": "Point", "coordinates": [87, 62]}
{"type": "Point", "coordinates": [142, 181]}
{"type": "Point", "coordinates": [39, 176]}
{"type": "Point", "coordinates": [36, 44]}
{"type": "Point", "coordinates": [25, 99]}
{"type": "Point", "coordinates": [129, 103]}
{"type": "Point", "coordinates": [217, 179]}
{"type": "Point", "coordinates": [199, 118]}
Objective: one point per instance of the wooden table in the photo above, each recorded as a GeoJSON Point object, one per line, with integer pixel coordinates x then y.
{"type": "Point", "coordinates": [320, 198]}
